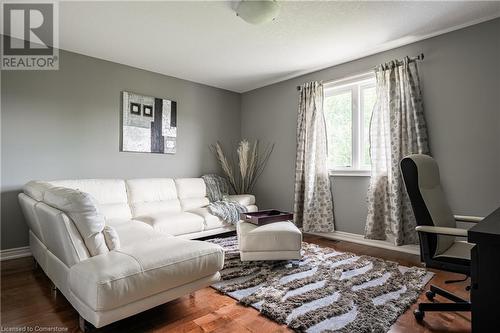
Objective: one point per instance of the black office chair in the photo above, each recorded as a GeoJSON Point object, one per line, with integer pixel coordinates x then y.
{"type": "Point", "coordinates": [437, 230]}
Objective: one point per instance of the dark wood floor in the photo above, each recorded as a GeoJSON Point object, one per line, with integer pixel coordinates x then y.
{"type": "Point", "coordinates": [27, 300]}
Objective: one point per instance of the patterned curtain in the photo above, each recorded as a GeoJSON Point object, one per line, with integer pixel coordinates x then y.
{"type": "Point", "coordinates": [313, 206]}
{"type": "Point", "coordinates": [397, 129]}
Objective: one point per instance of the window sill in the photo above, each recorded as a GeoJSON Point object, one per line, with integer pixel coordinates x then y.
{"type": "Point", "coordinates": [349, 173]}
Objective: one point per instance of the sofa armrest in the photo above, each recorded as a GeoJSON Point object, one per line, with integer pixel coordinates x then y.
{"type": "Point", "coordinates": [470, 219]}
{"type": "Point", "coordinates": [442, 230]}
{"type": "Point", "coordinates": [243, 199]}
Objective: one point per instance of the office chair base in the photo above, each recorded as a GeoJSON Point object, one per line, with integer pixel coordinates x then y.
{"type": "Point", "coordinates": [430, 295]}
{"type": "Point", "coordinates": [459, 304]}
{"type": "Point", "coordinates": [419, 315]}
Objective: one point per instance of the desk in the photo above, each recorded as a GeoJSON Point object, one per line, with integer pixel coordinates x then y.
{"type": "Point", "coordinates": [485, 274]}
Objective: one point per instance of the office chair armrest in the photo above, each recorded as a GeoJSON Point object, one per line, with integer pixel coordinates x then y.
{"type": "Point", "coordinates": [470, 219]}
{"type": "Point", "coordinates": [442, 230]}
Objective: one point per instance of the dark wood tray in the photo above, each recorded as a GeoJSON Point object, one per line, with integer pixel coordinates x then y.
{"type": "Point", "coordinates": [266, 216]}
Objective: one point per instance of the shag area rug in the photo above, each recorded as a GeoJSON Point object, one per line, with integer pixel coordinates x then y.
{"type": "Point", "coordinates": [326, 291]}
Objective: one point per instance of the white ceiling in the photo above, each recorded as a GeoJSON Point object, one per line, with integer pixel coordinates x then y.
{"type": "Point", "coordinates": [206, 42]}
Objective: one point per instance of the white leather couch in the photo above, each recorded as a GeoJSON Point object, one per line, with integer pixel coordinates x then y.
{"type": "Point", "coordinates": [155, 221]}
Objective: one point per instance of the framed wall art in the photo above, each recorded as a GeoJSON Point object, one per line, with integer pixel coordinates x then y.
{"type": "Point", "coordinates": [149, 124]}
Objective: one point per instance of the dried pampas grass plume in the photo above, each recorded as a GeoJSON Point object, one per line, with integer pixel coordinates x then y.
{"type": "Point", "coordinates": [226, 167]}
{"type": "Point", "coordinates": [242, 151]}
{"type": "Point", "coordinates": [251, 164]}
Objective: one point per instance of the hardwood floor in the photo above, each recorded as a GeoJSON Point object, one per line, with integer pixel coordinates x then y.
{"type": "Point", "coordinates": [28, 300]}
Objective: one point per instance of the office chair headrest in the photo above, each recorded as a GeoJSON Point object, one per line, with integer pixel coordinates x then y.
{"type": "Point", "coordinates": [426, 168]}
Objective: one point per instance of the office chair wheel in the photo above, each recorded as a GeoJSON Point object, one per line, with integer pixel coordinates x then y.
{"type": "Point", "coordinates": [419, 315]}
{"type": "Point", "coordinates": [430, 295]}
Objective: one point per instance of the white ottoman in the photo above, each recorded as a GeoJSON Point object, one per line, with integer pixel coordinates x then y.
{"type": "Point", "coordinates": [273, 241]}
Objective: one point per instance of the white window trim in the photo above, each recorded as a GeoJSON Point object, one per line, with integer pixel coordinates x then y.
{"type": "Point", "coordinates": [350, 173]}
{"type": "Point", "coordinates": [357, 170]}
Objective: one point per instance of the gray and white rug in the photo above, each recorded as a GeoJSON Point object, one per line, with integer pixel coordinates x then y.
{"type": "Point", "coordinates": [328, 291]}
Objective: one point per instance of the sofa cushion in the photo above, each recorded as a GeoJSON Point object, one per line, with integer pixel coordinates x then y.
{"type": "Point", "coordinates": [192, 192]}
{"type": "Point", "coordinates": [135, 231]}
{"type": "Point", "coordinates": [210, 221]}
{"type": "Point", "coordinates": [61, 237]}
{"type": "Point", "coordinates": [110, 194]}
{"type": "Point", "coordinates": [116, 222]}
{"type": "Point", "coordinates": [142, 269]}
{"type": "Point", "coordinates": [243, 199]}
{"type": "Point", "coordinates": [252, 208]}
{"type": "Point", "coordinates": [83, 211]}
{"type": "Point", "coordinates": [152, 195]}
{"type": "Point", "coordinates": [174, 223]}
{"type": "Point", "coordinates": [111, 238]}
{"type": "Point", "coordinates": [36, 189]}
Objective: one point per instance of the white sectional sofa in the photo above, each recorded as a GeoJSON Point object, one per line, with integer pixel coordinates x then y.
{"type": "Point", "coordinates": [154, 221]}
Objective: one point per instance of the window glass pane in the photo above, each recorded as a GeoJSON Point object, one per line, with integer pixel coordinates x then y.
{"type": "Point", "coordinates": [338, 112]}
{"type": "Point", "coordinates": [369, 97]}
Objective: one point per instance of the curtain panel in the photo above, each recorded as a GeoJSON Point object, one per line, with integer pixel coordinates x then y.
{"type": "Point", "coordinates": [313, 204]}
{"type": "Point", "coordinates": [397, 129]}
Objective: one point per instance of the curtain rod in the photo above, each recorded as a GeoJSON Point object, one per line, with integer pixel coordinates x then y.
{"type": "Point", "coordinates": [419, 57]}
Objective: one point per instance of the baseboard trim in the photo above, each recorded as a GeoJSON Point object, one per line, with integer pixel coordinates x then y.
{"type": "Point", "coordinates": [18, 252]}
{"type": "Point", "coordinates": [359, 239]}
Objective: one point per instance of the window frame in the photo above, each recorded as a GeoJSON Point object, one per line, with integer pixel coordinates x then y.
{"type": "Point", "coordinates": [354, 84]}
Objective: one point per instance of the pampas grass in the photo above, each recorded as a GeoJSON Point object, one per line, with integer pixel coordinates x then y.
{"type": "Point", "coordinates": [250, 164]}
{"type": "Point", "coordinates": [226, 166]}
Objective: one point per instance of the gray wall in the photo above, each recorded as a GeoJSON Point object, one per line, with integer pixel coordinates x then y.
{"type": "Point", "coordinates": [461, 87]}
{"type": "Point", "coordinates": [66, 124]}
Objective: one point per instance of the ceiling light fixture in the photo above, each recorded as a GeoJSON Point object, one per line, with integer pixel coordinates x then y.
{"type": "Point", "coordinates": [258, 11]}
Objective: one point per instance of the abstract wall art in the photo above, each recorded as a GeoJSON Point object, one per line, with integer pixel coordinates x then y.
{"type": "Point", "coordinates": [149, 124]}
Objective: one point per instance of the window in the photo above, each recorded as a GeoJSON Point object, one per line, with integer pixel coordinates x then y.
{"type": "Point", "coordinates": [348, 107]}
